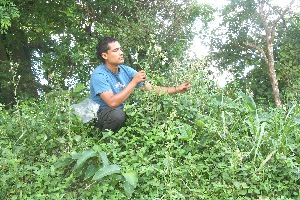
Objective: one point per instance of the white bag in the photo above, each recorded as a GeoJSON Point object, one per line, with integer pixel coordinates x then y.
{"type": "Point", "coordinates": [87, 109]}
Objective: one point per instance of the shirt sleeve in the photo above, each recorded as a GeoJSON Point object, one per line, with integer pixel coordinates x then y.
{"type": "Point", "coordinates": [100, 83]}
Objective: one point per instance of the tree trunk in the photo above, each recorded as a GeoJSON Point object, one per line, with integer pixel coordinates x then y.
{"type": "Point", "coordinates": [272, 76]}
{"type": "Point", "coordinates": [270, 31]}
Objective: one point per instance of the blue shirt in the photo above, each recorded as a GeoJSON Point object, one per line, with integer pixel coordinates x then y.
{"type": "Point", "coordinates": [103, 80]}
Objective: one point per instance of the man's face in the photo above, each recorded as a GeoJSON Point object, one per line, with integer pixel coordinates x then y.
{"type": "Point", "coordinates": [114, 55]}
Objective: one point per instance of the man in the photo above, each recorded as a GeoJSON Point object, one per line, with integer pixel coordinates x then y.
{"type": "Point", "coordinates": [112, 83]}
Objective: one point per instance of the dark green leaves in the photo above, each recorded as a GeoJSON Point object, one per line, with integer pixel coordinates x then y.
{"type": "Point", "coordinates": [87, 163]}
{"type": "Point", "coordinates": [8, 11]}
{"type": "Point", "coordinates": [82, 157]}
{"type": "Point", "coordinates": [106, 170]}
{"type": "Point", "coordinates": [131, 181]}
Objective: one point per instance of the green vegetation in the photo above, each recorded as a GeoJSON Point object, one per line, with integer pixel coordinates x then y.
{"type": "Point", "coordinates": [198, 145]}
{"type": "Point", "coordinates": [208, 143]}
{"type": "Point", "coordinates": [256, 35]}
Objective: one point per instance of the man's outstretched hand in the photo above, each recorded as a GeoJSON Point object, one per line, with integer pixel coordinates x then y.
{"type": "Point", "coordinates": [183, 87]}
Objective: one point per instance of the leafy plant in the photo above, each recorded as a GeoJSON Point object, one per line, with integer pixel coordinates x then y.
{"type": "Point", "coordinates": [88, 166]}
{"type": "Point", "coordinates": [203, 144]}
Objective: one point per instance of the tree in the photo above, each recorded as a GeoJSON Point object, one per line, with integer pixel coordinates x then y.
{"type": "Point", "coordinates": [56, 39]}
{"type": "Point", "coordinates": [27, 34]}
{"type": "Point", "coordinates": [288, 60]}
{"type": "Point", "coordinates": [251, 31]}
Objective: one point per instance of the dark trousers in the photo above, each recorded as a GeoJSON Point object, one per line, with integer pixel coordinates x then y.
{"type": "Point", "coordinates": [110, 119]}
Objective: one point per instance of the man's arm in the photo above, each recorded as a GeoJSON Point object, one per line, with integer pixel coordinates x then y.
{"type": "Point", "coordinates": [114, 100]}
{"type": "Point", "coordinates": [170, 90]}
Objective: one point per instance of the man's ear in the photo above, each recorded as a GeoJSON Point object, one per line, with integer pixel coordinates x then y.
{"type": "Point", "coordinates": [104, 56]}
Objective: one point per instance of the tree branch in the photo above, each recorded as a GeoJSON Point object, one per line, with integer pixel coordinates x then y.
{"type": "Point", "coordinates": [287, 8]}
{"type": "Point", "coordinates": [258, 49]}
{"type": "Point", "coordinates": [263, 18]}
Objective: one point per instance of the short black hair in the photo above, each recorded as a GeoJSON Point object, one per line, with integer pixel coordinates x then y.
{"type": "Point", "coordinates": [103, 47]}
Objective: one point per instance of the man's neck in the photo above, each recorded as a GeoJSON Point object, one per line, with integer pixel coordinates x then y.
{"type": "Point", "coordinates": [112, 68]}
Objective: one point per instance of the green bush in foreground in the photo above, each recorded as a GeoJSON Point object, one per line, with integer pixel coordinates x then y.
{"type": "Point", "coordinates": [198, 145]}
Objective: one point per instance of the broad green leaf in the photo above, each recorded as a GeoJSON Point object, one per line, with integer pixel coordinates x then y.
{"type": "Point", "coordinates": [131, 177]}
{"type": "Point", "coordinates": [250, 101]}
{"type": "Point", "coordinates": [75, 155]}
{"type": "Point", "coordinates": [63, 162]}
{"type": "Point", "coordinates": [129, 189]}
{"type": "Point", "coordinates": [104, 158]}
{"type": "Point", "coordinates": [107, 134]}
{"type": "Point", "coordinates": [83, 157]}
{"type": "Point", "coordinates": [107, 170]}
{"type": "Point", "coordinates": [90, 171]}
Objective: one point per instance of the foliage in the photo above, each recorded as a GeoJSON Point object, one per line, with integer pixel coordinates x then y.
{"type": "Point", "coordinates": [197, 145]}
{"type": "Point", "coordinates": [56, 39]}
{"type": "Point", "coordinates": [85, 167]}
{"type": "Point", "coordinates": [208, 143]}
{"type": "Point", "coordinates": [288, 59]}
{"type": "Point", "coordinates": [8, 12]}
{"type": "Point", "coordinates": [244, 47]}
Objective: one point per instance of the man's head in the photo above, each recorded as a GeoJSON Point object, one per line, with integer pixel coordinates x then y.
{"type": "Point", "coordinates": [109, 50]}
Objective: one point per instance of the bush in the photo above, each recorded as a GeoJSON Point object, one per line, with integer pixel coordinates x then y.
{"type": "Point", "coordinates": [197, 145]}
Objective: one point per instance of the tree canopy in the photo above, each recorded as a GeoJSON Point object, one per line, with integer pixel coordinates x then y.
{"type": "Point", "coordinates": [251, 37]}
{"type": "Point", "coordinates": [55, 40]}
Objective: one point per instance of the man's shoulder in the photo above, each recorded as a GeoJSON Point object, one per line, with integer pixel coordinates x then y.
{"type": "Point", "coordinates": [99, 69]}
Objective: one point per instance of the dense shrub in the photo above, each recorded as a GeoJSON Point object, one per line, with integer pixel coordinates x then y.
{"type": "Point", "coordinates": [197, 145]}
